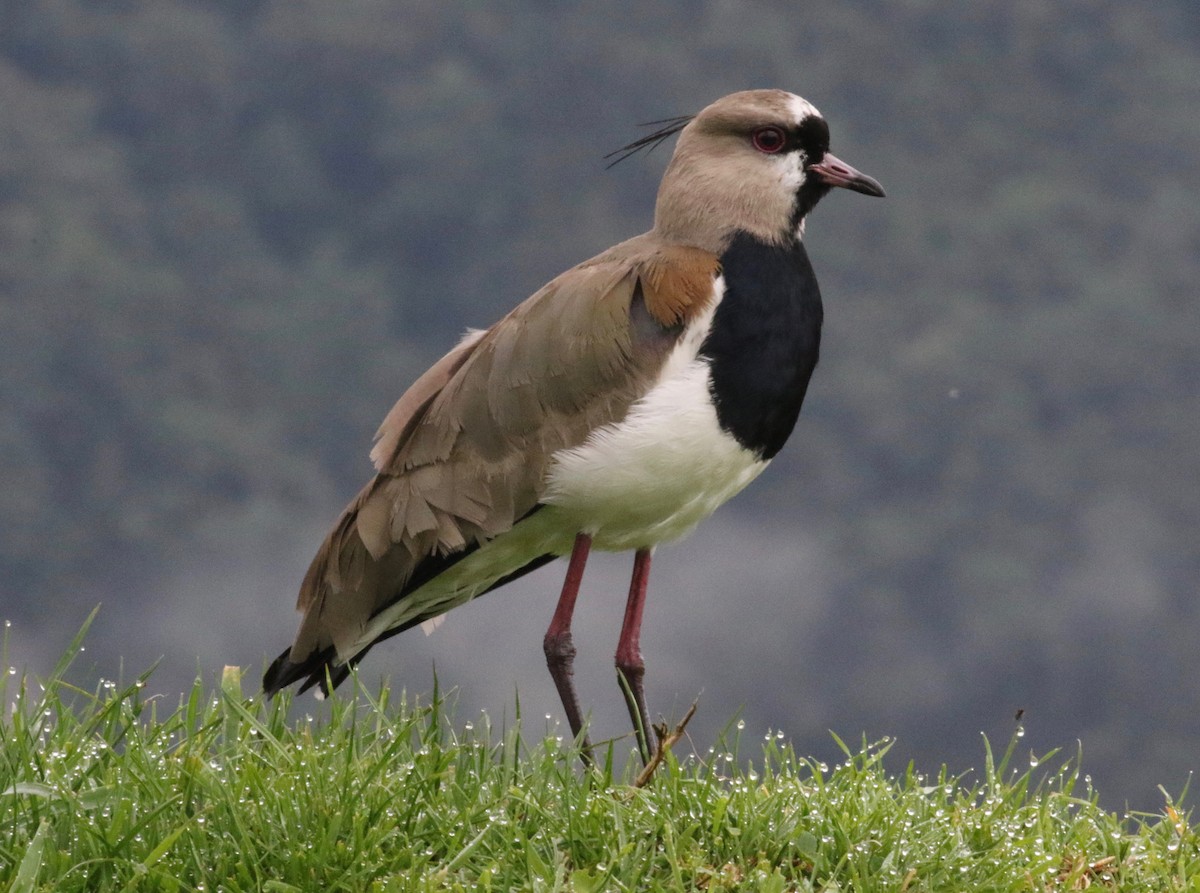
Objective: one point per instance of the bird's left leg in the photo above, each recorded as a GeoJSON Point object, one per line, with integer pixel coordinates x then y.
{"type": "Point", "coordinates": [630, 666]}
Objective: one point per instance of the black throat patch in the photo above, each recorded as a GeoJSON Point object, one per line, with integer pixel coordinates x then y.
{"type": "Point", "coordinates": [764, 341]}
{"type": "Point", "coordinates": [812, 137]}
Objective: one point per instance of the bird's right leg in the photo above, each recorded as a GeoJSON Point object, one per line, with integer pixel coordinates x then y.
{"type": "Point", "coordinates": [630, 666]}
{"type": "Point", "coordinates": [560, 650]}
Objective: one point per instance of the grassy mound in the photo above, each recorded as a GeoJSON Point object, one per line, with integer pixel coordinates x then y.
{"type": "Point", "coordinates": [108, 790]}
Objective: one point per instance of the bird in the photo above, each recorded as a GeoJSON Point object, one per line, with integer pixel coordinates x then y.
{"type": "Point", "coordinates": [614, 409]}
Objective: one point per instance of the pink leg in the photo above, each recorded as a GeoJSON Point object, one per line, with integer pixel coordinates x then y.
{"type": "Point", "coordinates": [560, 650]}
{"type": "Point", "coordinates": [630, 666]}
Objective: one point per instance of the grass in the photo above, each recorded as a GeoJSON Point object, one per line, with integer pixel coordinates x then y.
{"type": "Point", "coordinates": [108, 790]}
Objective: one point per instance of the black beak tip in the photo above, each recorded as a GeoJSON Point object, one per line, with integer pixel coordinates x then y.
{"type": "Point", "coordinates": [872, 187]}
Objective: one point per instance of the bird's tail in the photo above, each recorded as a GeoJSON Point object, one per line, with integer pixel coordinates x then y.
{"type": "Point", "coordinates": [318, 669]}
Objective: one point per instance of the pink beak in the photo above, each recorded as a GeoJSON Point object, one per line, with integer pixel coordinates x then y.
{"type": "Point", "coordinates": [832, 171]}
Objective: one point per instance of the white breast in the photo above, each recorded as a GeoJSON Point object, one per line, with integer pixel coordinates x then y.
{"type": "Point", "coordinates": [663, 468]}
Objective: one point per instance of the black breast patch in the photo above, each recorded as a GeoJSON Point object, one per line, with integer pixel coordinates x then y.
{"type": "Point", "coordinates": [764, 341]}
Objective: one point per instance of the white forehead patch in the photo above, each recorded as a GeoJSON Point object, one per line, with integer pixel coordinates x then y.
{"type": "Point", "coordinates": [801, 108]}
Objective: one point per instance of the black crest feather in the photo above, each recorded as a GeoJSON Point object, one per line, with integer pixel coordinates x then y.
{"type": "Point", "coordinates": [667, 127]}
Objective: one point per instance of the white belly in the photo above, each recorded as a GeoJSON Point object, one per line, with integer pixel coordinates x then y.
{"type": "Point", "coordinates": [658, 472]}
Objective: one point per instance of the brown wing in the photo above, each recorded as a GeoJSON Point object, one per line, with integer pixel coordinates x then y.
{"type": "Point", "coordinates": [463, 454]}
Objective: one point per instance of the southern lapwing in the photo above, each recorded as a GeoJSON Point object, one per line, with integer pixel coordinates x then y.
{"type": "Point", "coordinates": [614, 409]}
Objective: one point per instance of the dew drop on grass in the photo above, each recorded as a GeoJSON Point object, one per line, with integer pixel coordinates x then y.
{"type": "Point", "coordinates": [1020, 731]}
{"type": "Point", "coordinates": [741, 724]}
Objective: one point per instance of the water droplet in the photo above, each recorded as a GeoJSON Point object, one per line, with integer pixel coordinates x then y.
{"type": "Point", "coordinates": [1020, 731]}
{"type": "Point", "coordinates": [741, 724]}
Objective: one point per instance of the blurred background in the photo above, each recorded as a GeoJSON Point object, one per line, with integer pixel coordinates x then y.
{"type": "Point", "coordinates": [232, 232]}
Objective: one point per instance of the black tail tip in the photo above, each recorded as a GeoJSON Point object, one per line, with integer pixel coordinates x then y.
{"type": "Point", "coordinates": [317, 669]}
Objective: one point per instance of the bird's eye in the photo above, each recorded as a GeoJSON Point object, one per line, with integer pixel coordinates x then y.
{"type": "Point", "coordinates": [769, 140]}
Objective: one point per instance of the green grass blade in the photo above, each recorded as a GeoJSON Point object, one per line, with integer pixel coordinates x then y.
{"type": "Point", "coordinates": [31, 862]}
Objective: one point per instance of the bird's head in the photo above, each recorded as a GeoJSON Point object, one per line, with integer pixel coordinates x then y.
{"type": "Point", "coordinates": [756, 161]}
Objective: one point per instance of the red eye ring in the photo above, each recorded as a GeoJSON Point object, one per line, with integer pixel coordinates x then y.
{"type": "Point", "coordinates": [769, 140]}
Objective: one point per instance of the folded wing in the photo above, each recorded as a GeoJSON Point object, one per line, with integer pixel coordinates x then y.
{"type": "Point", "coordinates": [463, 455]}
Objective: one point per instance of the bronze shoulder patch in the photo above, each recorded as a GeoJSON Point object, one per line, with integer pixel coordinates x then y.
{"type": "Point", "coordinates": [677, 283]}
